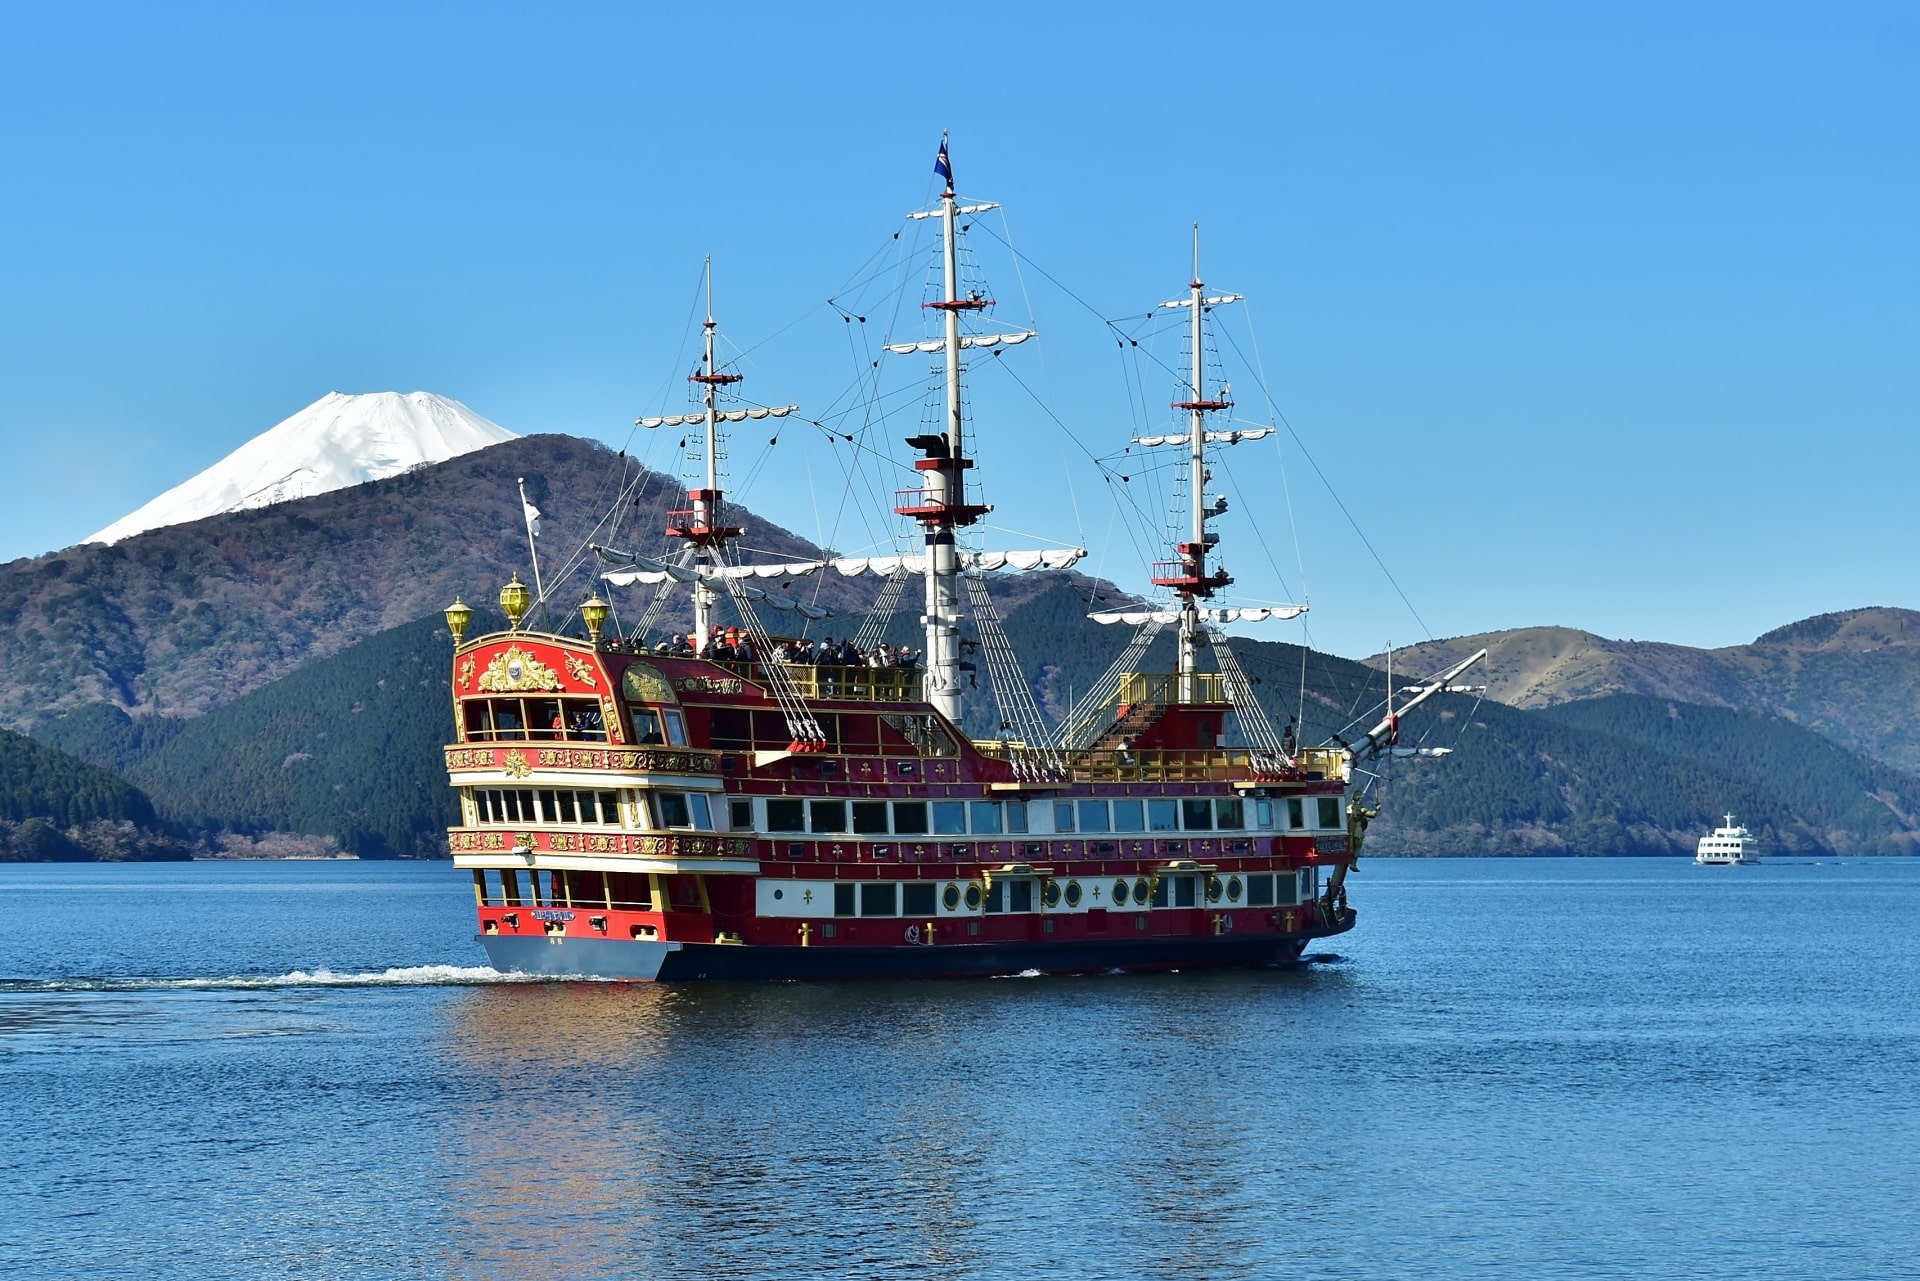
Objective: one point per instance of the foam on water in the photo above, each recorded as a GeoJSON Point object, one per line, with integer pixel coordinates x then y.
{"type": "Point", "coordinates": [398, 976]}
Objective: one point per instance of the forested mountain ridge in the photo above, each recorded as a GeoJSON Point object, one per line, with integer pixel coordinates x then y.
{"type": "Point", "coordinates": [1852, 676]}
{"type": "Point", "coordinates": [55, 807]}
{"type": "Point", "coordinates": [350, 749]}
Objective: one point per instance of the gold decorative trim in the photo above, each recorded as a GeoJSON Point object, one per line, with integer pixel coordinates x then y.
{"type": "Point", "coordinates": [516, 765]}
{"type": "Point", "coordinates": [466, 671]}
{"type": "Point", "coordinates": [581, 670]}
{"type": "Point", "coordinates": [514, 669]}
{"type": "Point", "coordinates": [643, 683]}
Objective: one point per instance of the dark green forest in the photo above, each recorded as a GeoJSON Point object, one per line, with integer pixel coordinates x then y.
{"type": "Point", "coordinates": [58, 808]}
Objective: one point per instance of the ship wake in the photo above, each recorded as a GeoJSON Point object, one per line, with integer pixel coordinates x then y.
{"type": "Point", "coordinates": [322, 977]}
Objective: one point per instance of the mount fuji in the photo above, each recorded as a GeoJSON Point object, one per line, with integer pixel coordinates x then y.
{"type": "Point", "coordinates": [335, 442]}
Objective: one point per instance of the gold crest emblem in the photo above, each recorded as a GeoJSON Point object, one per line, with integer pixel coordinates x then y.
{"type": "Point", "coordinates": [514, 669]}
{"type": "Point", "coordinates": [516, 765]}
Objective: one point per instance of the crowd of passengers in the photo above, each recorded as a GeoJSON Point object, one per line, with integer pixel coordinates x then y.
{"type": "Point", "coordinates": [731, 645]}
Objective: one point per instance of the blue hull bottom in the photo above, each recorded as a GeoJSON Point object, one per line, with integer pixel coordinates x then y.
{"type": "Point", "coordinates": [621, 959]}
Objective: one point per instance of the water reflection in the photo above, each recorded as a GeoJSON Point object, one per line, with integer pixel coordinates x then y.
{"type": "Point", "coordinates": [759, 1130]}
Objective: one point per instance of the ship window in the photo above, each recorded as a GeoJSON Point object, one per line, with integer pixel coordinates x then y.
{"type": "Point", "coordinates": [1157, 890]}
{"type": "Point", "coordinates": [1305, 885]}
{"type": "Point", "coordinates": [1296, 813]}
{"type": "Point", "coordinates": [949, 818]}
{"type": "Point", "coordinates": [1196, 814]}
{"type": "Point", "coordinates": [786, 816]}
{"type": "Point", "coordinates": [1016, 816]}
{"type": "Point", "coordinates": [878, 899]}
{"type": "Point", "coordinates": [1329, 811]}
{"type": "Point", "coordinates": [740, 815]}
{"type": "Point", "coordinates": [670, 810]}
{"type": "Point", "coordinates": [909, 818]}
{"type": "Point", "coordinates": [702, 812]}
{"type": "Point", "coordinates": [1182, 892]}
{"type": "Point", "coordinates": [510, 803]}
{"type": "Point", "coordinates": [676, 729]}
{"type": "Point", "coordinates": [828, 816]}
{"type": "Point", "coordinates": [569, 807]}
{"type": "Point", "coordinates": [1093, 816]}
{"type": "Point", "coordinates": [1231, 815]}
{"type": "Point", "coordinates": [843, 895]}
{"type": "Point", "coordinates": [986, 818]}
{"type": "Point", "coordinates": [506, 719]}
{"type": "Point", "coordinates": [1020, 896]}
{"type": "Point", "coordinates": [1119, 893]}
{"type": "Point", "coordinates": [1073, 893]}
{"type": "Point", "coordinates": [549, 807]}
{"type": "Point", "coordinates": [1063, 816]}
{"type": "Point", "coordinates": [870, 818]}
{"type": "Point", "coordinates": [1260, 891]}
{"type": "Point", "coordinates": [917, 899]}
{"type": "Point", "coordinates": [1129, 816]}
{"type": "Point", "coordinates": [646, 727]}
{"type": "Point", "coordinates": [1263, 813]}
{"type": "Point", "coordinates": [589, 812]}
{"type": "Point", "coordinates": [997, 897]}
{"type": "Point", "coordinates": [1163, 816]}
{"type": "Point", "coordinates": [610, 808]}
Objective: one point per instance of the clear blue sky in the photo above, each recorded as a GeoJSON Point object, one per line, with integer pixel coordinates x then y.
{"type": "Point", "coordinates": [1597, 315]}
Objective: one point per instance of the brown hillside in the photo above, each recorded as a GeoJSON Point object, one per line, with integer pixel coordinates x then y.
{"type": "Point", "coordinates": [183, 619]}
{"type": "Point", "coordinates": [1853, 676]}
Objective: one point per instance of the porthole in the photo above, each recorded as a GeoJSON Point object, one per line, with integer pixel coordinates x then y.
{"type": "Point", "coordinates": [1142, 891]}
{"type": "Point", "coordinates": [779, 894]}
{"type": "Point", "coordinates": [1119, 893]}
{"type": "Point", "coordinates": [950, 897]}
{"type": "Point", "coordinates": [1073, 894]}
{"type": "Point", "coordinates": [1233, 889]}
{"type": "Point", "coordinates": [1050, 893]}
{"type": "Point", "coordinates": [1214, 889]}
{"type": "Point", "coordinates": [973, 896]}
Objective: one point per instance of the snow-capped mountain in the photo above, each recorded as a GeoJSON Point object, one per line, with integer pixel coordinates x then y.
{"type": "Point", "coordinates": [337, 441]}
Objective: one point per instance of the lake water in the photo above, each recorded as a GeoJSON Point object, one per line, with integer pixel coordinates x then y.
{"type": "Point", "coordinates": [1565, 1068]}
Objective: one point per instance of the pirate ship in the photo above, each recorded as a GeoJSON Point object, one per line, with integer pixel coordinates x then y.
{"type": "Point", "coordinates": [744, 806]}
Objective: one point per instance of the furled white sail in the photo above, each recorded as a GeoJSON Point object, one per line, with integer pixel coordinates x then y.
{"type": "Point", "coordinates": [1213, 437]}
{"type": "Point", "coordinates": [932, 345]}
{"type": "Point", "coordinates": [1237, 614]}
{"type": "Point", "coordinates": [723, 416]}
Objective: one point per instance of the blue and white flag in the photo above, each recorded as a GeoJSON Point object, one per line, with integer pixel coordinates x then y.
{"type": "Point", "coordinates": [940, 165]}
{"type": "Point", "coordinates": [533, 517]}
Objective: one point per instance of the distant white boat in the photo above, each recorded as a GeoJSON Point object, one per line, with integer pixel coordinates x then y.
{"type": "Point", "coordinates": [1728, 845]}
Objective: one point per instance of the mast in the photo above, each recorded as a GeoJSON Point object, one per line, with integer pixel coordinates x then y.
{"type": "Point", "coordinates": [940, 504]}
{"type": "Point", "coordinates": [1188, 576]}
{"type": "Point", "coordinates": [698, 526]}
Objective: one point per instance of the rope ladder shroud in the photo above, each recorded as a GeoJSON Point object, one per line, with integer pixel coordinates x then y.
{"type": "Point", "coordinates": [1012, 695]}
{"type": "Point", "coordinates": [1087, 720]}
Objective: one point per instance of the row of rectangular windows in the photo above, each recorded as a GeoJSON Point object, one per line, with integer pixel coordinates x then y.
{"type": "Point", "coordinates": [992, 818]}
{"type": "Point", "coordinates": [919, 898]}
{"type": "Point", "coordinates": [544, 805]}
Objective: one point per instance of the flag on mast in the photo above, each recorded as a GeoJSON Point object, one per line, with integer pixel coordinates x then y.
{"type": "Point", "coordinates": [533, 516]}
{"type": "Point", "coordinates": [940, 163]}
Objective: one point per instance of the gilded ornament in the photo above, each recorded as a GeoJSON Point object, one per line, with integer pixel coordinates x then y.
{"type": "Point", "coordinates": [643, 683]}
{"type": "Point", "coordinates": [516, 765]}
{"type": "Point", "coordinates": [581, 670]}
{"type": "Point", "coordinates": [610, 717]}
{"type": "Point", "coordinates": [514, 669]}
{"type": "Point", "coordinates": [466, 671]}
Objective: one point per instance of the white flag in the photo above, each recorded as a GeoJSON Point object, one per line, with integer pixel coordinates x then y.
{"type": "Point", "coordinates": [533, 517]}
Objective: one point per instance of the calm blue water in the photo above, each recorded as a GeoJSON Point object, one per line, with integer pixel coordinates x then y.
{"type": "Point", "coordinates": [1519, 1069]}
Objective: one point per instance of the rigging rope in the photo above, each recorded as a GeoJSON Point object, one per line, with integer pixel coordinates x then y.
{"type": "Point", "coordinates": [803, 727]}
{"type": "Point", "coordinates": [1011, 693]}
{"type": "Point", "coordinates": [1252, 716]}
{"type": "Point", "coordinates": [881, 614]}
{"type": "Point", "coordinates": [1088, 717]}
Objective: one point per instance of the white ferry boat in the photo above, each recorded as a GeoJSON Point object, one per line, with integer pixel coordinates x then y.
{"type": "Point", "coordinates": [1728, 845]}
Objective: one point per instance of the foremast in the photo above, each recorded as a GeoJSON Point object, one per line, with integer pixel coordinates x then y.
{"type": "Point", "coordinates": [1190, 576]}
{"type": "Point", "coordinates": [700, 524]}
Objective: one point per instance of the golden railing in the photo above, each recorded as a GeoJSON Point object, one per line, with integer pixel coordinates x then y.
{"type": "Point", "coordinates": [1154, 687]}
{"type": "Point", "coordinates": [1166, 765]}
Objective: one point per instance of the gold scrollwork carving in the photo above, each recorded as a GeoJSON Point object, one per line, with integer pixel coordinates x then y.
{"type": "Point", "coordinates": [466, 671]}
{"type": "Point", "coordinates": [581, 670]}
{"type": "Point", "coordinates": [643, 683]}
{"type": "Point", "coordinates": [515, 669]}
{"type": "Point", "coordinates": [516, 765]}
{"type": "Point", "coordinates": [610, 717]}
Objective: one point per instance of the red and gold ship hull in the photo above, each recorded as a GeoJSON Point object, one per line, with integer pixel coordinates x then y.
{"type": "Point", "coordinates": [639, 817]}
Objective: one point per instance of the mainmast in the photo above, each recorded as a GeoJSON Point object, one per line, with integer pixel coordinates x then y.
{"type": "Point", "coordinates": [1188, 576]}
{"type": "Point", "coordinates": [940, 504]}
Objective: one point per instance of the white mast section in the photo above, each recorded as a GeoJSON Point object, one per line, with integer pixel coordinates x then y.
{"type": "Point", "coordinates": [1190, 577]}
{"type": "Point", "coordinates": [700, 526]}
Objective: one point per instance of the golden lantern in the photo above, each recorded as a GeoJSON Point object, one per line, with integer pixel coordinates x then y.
{"type": "Point", "coordinates": [514, 602]}
{"type": "Point", "coordinates": [458, 615]}
{"type": "Point", "coordinates": [593, 612]}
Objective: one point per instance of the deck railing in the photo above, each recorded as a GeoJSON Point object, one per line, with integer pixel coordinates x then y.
{"type": "Point", "coordinates": [1169, 765]}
